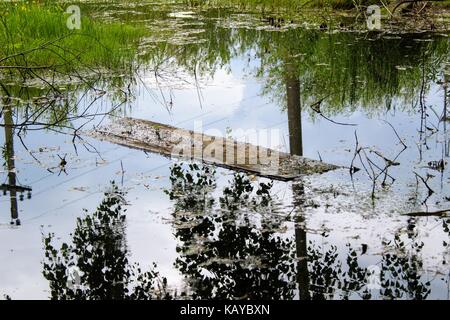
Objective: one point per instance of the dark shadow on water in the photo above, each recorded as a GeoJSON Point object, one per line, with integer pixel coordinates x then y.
{"type": "Point", "coordinates": [95, 264]}
{"type": "Point", "coordinates": [230, 246]}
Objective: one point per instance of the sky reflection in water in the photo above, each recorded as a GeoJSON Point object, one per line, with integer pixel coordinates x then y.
{"type": "Point", "coordinates": [309, 217]}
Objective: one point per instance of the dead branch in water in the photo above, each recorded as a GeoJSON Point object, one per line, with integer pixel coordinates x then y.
{"type": "Point", "coordinates": [440, 213]}
{"type": "Point", "coordinates": [396, 133]}
{"type": "Point", "coordinates": [412, 1]}
{"type": "Point", "coordinates": [430, 191]}
{"type": "Point", "coordinates": [316, 108]}
{"type": "Point", "coordinates": [376, 171]}
{"type": "Point", "coordinates": [42, 113]}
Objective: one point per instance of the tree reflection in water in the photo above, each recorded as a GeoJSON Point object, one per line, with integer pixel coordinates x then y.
{"type": "Point", "coordinates": [227, 250]}
{"type": "Point", "coordinates": [236, 248]}
{"type": "Point", "coordinates": [95, 265]}
{"type": "Point", "coordinates": [399, 276]}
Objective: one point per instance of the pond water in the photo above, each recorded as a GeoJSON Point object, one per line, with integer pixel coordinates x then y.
{"type": "Point", "coordinates": [374, 99]}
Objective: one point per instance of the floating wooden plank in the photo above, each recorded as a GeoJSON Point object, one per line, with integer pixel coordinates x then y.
{"type": "Point", "coordinates": [185, 144]}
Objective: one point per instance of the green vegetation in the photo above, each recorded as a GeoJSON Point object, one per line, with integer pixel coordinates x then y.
{"type": "Point", "coordinates": [280, 5]}
{"type": "Point", "coordinates": [36, 35]}
{"type": "Point", "coordinates": [276, 4]}
{"type": "Point", "coordinates": [347, 71]}
{"type": "Point", "coordinates": [329, 66]}
{"type": "Point", "coordinates": [351, 72]}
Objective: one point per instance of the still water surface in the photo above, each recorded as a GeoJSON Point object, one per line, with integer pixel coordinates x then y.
{"type": "Point", "coordinates": [317, 236]}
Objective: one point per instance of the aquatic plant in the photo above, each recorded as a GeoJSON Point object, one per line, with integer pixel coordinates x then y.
{"type": "Point", "coordinates": [285, 5]}
{"type": "Point", "coordinates": [35, 37]}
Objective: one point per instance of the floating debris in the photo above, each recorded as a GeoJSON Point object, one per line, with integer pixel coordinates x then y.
{"type": "Point", "coordinates": [180, 143]}
{"type": "Point", "coordinates": [440, 213]}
